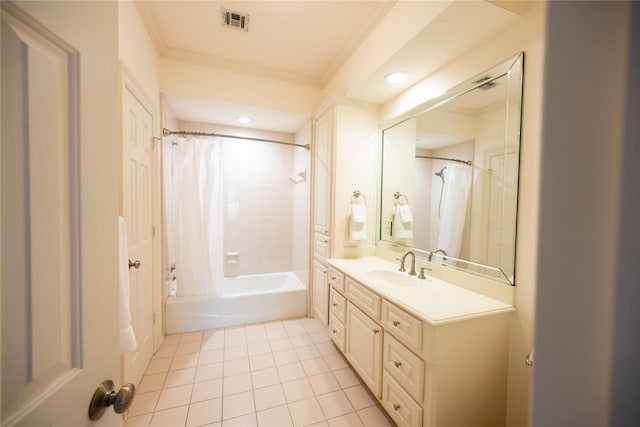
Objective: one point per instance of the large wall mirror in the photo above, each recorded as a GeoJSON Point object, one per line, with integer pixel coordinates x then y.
{"type": "Point", "coordinates": [450, 174]}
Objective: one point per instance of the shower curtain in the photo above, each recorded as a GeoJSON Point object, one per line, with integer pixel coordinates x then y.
{"type": "Point", "coordinates": [195, 217]}
{"type": "Point", "coordinates": [455, 192]}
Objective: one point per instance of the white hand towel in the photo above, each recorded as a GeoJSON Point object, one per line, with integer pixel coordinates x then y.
{"type": "Point", "coordinates": [358, 223]}
{"type": "Point", "coordinates": [402, 226]}
{"type": "Point", "coordinates": [127, 335]}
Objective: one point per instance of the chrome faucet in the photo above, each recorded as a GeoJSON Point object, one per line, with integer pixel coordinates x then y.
{"type": "Point", "coordinates": [412, 272]}
{"type": "Point", "coordinates": [437, 251]}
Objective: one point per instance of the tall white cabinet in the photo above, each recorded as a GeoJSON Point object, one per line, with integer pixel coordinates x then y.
{"type": "Point", "coordinates": [345, 153]}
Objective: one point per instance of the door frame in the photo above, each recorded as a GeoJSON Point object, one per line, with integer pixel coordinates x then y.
{"type": "Point", "coordinates": [130, 83]}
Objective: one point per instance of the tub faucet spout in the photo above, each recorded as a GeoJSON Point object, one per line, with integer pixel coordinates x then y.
{"type": "Point", "coordinates": [412, 271]}
{"type": "Point", "coordinates": [437, 251]}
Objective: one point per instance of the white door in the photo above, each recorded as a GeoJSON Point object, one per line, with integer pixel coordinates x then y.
{"type": "Point", "coordinates": [59, 182]}
{"type": "Point", "coordinates": [137, 208]}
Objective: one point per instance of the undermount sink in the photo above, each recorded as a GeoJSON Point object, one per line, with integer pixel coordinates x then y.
{"type": "Point", "coordinates": [394, 278]}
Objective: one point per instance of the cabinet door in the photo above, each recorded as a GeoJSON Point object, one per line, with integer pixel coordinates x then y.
{"type": "Point", "coordinates": [322, 175]}
{"type": "Point", "coordinates": [364, 347]}
{"type": "Point", "coordinates": [321, 292]}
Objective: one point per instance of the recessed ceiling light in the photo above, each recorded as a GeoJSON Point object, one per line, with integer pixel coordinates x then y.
{"type": "Point", "coordinates": [243, 119]}
{"type": "Point", "coordinates": [395, 77]}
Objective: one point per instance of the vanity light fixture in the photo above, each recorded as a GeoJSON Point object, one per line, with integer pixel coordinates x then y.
{"type": "Point", "coordinates": [395, 77]}
{"type": "Point", "coordinates": [243, 119]}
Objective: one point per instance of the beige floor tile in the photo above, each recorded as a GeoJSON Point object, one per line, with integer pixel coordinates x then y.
{"type": "Point", "coordinates": [174, 397]}
{"type": "Point", "coordinates": [320, 424]}
{"type": "Point", "coordinates": [301, 341]}
{"type": "Point", "coordinates": [360, 397]}
{"type": "Point", "coordinates": [234, 331]}
{"type": "Point", "coordinates": [151, 382]}
{"type": "Point", "coordinates": [235, 367]}
{"type": "Point", "coordinates": [209, 372]}
{"type": "Point", "coordinates": [335, 404]}
{"type": "Point", "coordinates": [165, 351]}
{"type": "Point", "coordinates": [235, 341]}
{"type": "Point", "coordinates": [170, 417]}
{"type": "Point", "coordinates": [305, 412]}
{"type": "Point", "coordinates": [248, 420]}
{"type": "Point", "coordinates": [297, 390]}
{"type": "Point", "coordinates": [261, 361]}
{"type": "Point", "coordinates": [269, 397]}
{"type": "Point", "coordinates": [257, 348]}
{"type": "Point", "coordinates": [144, 403]}
{"type": "Point", "coordinates": [375, 416]}
{"type": "Point", "coordinates": [315, 366]}
{"type": "Point", "coordinates": [319, 338]}
{"type": "Point", "coordinates": [336, 361]}
{"type": "Point", "coordinates": [281, 344]}
{"type": "Point", "coordinates": [235, 384]}
{"type": "Point", "coordinates": [265, 377]}
{"type": "Point", "coordinates": [276, 334]}
{"type": "Point", "coordinates": [206, 390]}
{"type": "Point", "coordinates": [327, 348]}
{"type": "Point", "coordinates": [139, 421]}
{"type": "Point", "coordinates": [158, 365]}
{"type": "Point", "coordinates": [233, 353]}
{"type": "Point", "coordinates": [308, 352]}
{"type": "Point", "coordinates": [291, 372]}
{"type": "Point", "coordinates": [184, 361]}
{"type": "Point", "coordinates": [346, 377]}
{"type": "Point", "coordinates": [180, 377]}
{"type": "Point", "coordinates": [205, 412]}
{"type": "Point", "coordinates": [191, 337]}
{"type": "Point", "coordinates": [285, 357]}
{"type": "Point", "coordinates": [348, 420]}
{"type": "Point", "coordinates": [211, 356]}
{"type": "Point", "coordinates": [237, 405]}
{"type": "Point", "coordinates": [324, 383]}
{"type": "Point", "coordinates": [275, 417]}
{"type": "Point", "coordinates": [188, 347]}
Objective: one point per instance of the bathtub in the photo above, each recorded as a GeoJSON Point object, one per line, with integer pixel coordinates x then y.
{"type": "Point", "coordinates": [245, 299]}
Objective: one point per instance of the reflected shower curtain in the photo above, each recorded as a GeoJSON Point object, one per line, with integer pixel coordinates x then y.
{"type": "Point", "coordinates": [195, 216]}
{"type": "Point", "coordinates": [455, 193]}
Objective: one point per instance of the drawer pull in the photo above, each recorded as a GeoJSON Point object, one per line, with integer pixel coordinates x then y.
{"type": "Point", "coordinates": [396, 323]}
{"type": "Point", "coordinates": [376, 331]}
{"type": "Point", "coordinates": [335, 331]}
{"type": "Point", "coordinates": [397, 364]}
{"type": "Point", "coordinates": [333, 277]}
{"type": "Point", "coordinates": [396, 407]}
{"type": "Point", "coordinates": [335, 304]}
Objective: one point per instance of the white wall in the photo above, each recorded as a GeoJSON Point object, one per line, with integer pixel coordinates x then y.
{"type": "Point", "coordinates": [587, 316]}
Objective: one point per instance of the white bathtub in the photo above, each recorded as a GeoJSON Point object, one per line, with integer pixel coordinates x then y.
{"type": "Point", "coordinates": [246, 299]}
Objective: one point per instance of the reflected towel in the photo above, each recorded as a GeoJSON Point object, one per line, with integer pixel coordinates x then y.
{"type": "Point", "coordinates": [127, 335]}
{"type": "Point", "coordinates": [402, 222]}
{"type": "Point", "coordinates": [358, 223]}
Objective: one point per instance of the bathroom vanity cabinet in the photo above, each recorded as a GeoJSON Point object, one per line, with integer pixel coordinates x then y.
{"type": "Point", "coordinates": [445, 366]}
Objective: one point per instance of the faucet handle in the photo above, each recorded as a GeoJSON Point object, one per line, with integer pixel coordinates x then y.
{"type": "Point", "coordinates": [401, 265]}
{"type": "Point", "coordinates": [422, 275]}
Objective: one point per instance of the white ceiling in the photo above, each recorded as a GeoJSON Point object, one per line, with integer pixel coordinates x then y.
{"type": "Point", "coordinates": [307, 42]}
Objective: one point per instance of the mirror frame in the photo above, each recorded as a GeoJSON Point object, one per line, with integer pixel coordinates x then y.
{"type": "Point", "coordinates": [476, 268]}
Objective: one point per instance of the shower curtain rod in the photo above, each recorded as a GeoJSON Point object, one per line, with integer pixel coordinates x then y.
{"type": "Point", "coordinates": [167, 132]}
{"type": "Point", "coordinates": [466, 162]}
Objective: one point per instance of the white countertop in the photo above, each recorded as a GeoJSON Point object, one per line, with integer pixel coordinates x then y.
{"type": "Point", "coordinates": [432, 299]}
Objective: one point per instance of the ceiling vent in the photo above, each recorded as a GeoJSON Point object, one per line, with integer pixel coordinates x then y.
{"type": "Point", "coordinates": [236, 20]}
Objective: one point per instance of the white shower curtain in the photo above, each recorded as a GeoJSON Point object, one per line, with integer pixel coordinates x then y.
{"type": "Point", "coordinates": [195, 216]}
{"type": "Point", "coordinates": [455, 193]}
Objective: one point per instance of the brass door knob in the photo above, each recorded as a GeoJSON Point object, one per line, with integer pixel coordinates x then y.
{"type": "Point", "coordinates": [135, 264]}
{"type": "Point", "coordinates": [105, 396]}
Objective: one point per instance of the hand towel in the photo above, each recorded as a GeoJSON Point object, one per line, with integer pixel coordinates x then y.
{"type": "Point", "coordinates": [402, 222]}
{"type": "Point", "coordinates": [358, 223]}
{"type": "Point", "coordinates": [127, 335]}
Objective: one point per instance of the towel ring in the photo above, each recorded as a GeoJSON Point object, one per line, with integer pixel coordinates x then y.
{"type": "Point", "coordinates": [398, 194]}
{"type": "Point", "coordinates": [357, 194]}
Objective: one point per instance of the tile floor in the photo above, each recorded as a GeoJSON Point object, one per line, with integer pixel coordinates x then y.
{"type": "Point", "coordinates": [283, 373]}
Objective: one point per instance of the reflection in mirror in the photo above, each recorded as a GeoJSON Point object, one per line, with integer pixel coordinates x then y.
{"type": "Point", "coordinates": [450, 174]}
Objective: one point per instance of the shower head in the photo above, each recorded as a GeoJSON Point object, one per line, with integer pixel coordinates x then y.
{"type": "Point", "coordinates": [441, 173]}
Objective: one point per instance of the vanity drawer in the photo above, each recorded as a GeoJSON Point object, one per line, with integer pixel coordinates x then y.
{"type": "Point", "coordinates": [402, 408]}
{"type": "Point", "coordinates": [366, 300]}
{"type": "Point", "coordinates": [404, 366]}
{"type": "Point", "coordinates": [336, 279]}
{"type": "Point", "coordinates": [402, 325]}
{"type": "Point", "coordinates": [337, 331]}
{"type": "Point", "coordinates": [338, 305]}
{"type": "Point", "coordinates": [321, 245]}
